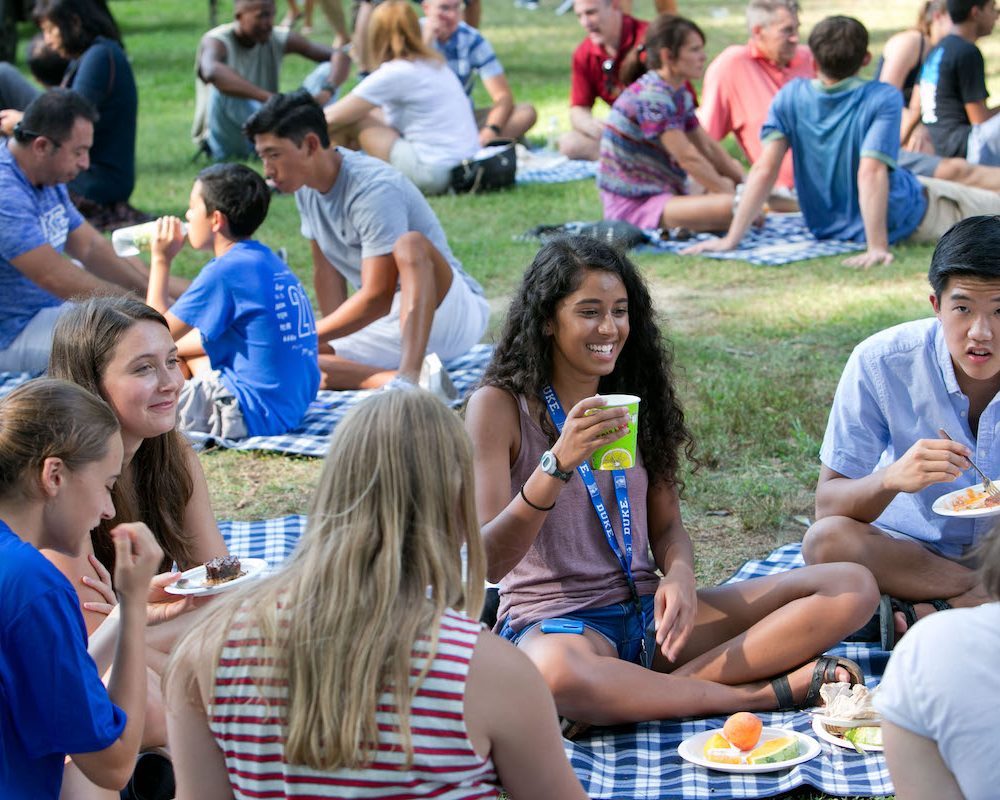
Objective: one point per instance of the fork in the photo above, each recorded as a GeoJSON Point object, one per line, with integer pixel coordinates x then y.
{"type": "Point", "coordinates": [988, 486]}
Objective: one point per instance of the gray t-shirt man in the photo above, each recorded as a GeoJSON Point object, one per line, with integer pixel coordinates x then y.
{"type": "Point", "coordinates": [362, 216]}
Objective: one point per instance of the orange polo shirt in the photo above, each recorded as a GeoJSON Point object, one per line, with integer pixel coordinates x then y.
{"type": "Point", "coordinates": [738, 88]}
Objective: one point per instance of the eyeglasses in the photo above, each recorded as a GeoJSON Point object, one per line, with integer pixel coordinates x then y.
{"type": "Point", "coordinates": [25, 135]}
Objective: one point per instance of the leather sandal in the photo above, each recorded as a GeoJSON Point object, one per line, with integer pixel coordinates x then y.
{"type": "Point", "coordinates": [825, 671]}
{"type": "Point", "coordinates": [881, 627]}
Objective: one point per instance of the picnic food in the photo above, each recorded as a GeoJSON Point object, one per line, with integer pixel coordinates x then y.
{"type": "Point", "coordinates": [775, 750]}
{"type": "Point", "coordinates": [742, 730]}
{"type": "Point", "coordinates": [843, 701]}
{"type": "Point", "coordinates": [222, 570]}
{"type": "Point", "coordinates": [719, 750]}
{"type": "Point", "coordinates": [975, 497]}
{"type": "Point", "coordinates": [865, 734]}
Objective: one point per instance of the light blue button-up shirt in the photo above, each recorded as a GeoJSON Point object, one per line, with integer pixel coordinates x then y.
{"type": "Point", "coordinates": [899, 386]}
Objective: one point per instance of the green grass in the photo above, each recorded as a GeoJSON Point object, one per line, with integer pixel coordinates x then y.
{"type": "Point", "coordinates": [759, 350]}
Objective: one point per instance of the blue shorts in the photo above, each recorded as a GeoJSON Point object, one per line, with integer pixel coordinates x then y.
{"type": "Point", "coordinates": [617, 623]}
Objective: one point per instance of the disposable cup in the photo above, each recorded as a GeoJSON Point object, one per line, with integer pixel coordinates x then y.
{"type": "Point", "coordinates": [619, 454]}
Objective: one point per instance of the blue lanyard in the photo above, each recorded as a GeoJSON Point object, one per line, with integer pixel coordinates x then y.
{"type": "Point", "coordinates": [621, 495]}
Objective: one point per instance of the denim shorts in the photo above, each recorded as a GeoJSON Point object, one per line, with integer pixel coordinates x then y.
{"type": "Point", "coordinates": [617, 623]}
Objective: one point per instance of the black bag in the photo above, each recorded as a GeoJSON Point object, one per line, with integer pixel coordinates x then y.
{"type": "Point", "coordinates": [496, 170]}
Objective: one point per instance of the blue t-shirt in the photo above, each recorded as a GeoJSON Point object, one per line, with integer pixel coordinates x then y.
{"type": "Point", "coordinates": [829, 129]}
{"type": "Point", "coordinates": [258, 329]}
{"type": "Point", "coordinates": [52, 701]}
{"type": "Point", "coordinates": [104, 76]}
{"type": "Point", "coordinates": [30, 216]}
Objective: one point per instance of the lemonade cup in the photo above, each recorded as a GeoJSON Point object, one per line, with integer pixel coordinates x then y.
{"type": "Point", "coordinates": [619, 454]}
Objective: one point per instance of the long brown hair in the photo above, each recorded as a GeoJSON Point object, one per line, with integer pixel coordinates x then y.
{"type": "Point", "coordinates": [156, 485]}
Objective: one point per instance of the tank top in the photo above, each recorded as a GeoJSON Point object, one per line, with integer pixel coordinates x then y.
{"type": "Point", "coordinates": [247, 718]}
{"type": "Point", "coordinates": [570, 566]}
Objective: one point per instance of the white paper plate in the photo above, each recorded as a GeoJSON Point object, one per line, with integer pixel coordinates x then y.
{"type": "Point", "coordinates": [819, 728]}
{"type": "Point", "coordinates": [943, 505]}
{"type": "Point", "coordinates": [692, 749]}
{"type": "Point", "coordinates": [192, 582]}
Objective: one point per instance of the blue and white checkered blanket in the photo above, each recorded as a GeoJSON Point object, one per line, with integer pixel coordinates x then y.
{"type": "Point", "coordinates": [784, 238]}
{"type": "Point", "coordinates": [641, 761]}
{"type": "Point", "coordinates": [547, 166]}
{"type": "Point", "coordinates": [312, 436]}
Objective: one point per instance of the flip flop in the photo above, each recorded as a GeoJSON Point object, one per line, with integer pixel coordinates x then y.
{"type": "Point", "coordinates": [882, 626]}
{"type": "Point", "coordinates": [825, 671]}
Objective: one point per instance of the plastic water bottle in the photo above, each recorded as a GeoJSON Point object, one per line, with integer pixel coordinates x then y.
{"type": "Point", "coordinates": [134, 239]}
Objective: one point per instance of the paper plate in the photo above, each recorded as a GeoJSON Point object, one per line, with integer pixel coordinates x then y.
{"type": "Point", "coordinates": [192, 582]}
{"type": "Point", "coordinates": [692, 749]}
{"type": "Point", "coordinates": [944, 504]}
{"type": "Point", "coordinates": [819, 728]}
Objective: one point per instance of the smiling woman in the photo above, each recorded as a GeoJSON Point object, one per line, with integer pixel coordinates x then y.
{"type": "Point", "coordinates": [581, 590]}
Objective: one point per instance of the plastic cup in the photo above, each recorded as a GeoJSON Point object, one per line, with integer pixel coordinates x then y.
{"type": "Point", "coordinates": [619, 454]}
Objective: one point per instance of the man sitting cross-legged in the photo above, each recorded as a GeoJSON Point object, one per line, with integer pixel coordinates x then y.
{"type": "Point", "coordinates": [238, 67]}
{"type": "Point", "coordinates": [468, 53]}
{"type": "Point", "coordinates": [885, 457]}
{"type": "Point", "coordinates": [40, 230]}
{"type": "Point", "coordinates": [369, 226]}
{"type": "Point", "coordinates": [844, 136]}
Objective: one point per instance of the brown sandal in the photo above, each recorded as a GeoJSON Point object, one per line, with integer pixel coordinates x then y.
{"type": "Point", "coordinates": [825, 671]}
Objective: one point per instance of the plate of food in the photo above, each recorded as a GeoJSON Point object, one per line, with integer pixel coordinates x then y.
{"type": "Point", "coordinates": [859, 735]}
{"type": "Point", "coordinates": [217, 575]}
{"type": "Point", "coordinates": [972, 502]}
{"type": "Point", "coordinates": [762, 749]}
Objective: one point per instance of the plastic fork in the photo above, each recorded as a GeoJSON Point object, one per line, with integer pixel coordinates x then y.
{"type": "Point", "coordinates": [988, 486]}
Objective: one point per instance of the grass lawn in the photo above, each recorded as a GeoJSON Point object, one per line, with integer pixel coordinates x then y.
{"type": "Point", "coordinates": [759, 349]}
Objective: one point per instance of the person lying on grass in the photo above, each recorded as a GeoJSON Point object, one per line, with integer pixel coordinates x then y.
{"type": "Point", "coordinates": [386, 683]}
{"type": "Point", "coordinates": [60, 456]}
{"type": "Point", "coordinates": [244, 328]}
{"type": "Point", "coordinates": [582, 325]}
{"type": "Point", "coordinates": [843, 132]}
{"type": "Point", "coordinates": [884, 459]}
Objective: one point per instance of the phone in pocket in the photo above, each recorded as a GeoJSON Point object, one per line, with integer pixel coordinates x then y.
{"type": "Point", "coordinates": [559, 625]}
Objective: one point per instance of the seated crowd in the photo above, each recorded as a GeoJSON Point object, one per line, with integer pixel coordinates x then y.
{"type": "Point", "coordinates": [102, 498]}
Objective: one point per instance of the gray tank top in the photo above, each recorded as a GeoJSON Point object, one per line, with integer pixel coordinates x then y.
{"type": "Point", "coordinates": [570, 566]}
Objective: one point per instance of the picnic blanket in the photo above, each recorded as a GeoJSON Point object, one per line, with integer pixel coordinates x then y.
{"type": "Point", "coordinates": [784, 238]}
{"type": "Point", "coordinates": [548, 166]}
{"type": "Point", "coordinates": [312, 435]}
{"type": "Point", "coordinates": [641, 761]}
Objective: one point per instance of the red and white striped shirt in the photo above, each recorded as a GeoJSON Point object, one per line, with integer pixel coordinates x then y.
{"type": "Point", "coordinates": [248, 719]}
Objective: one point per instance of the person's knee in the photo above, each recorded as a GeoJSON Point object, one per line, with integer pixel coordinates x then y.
{"type": "Point", "coordinates": [828, 540]}
{"type": "Point", "coordinates": [953, 169]}
{"type": "Point", "coordinates": [527, 115]}
{"type": "Point", "coordinates": [562, 668]}
{"type": "Point", "coordinates": [413, 254]}
{"type": "Point", "coordinates": [855, 584]}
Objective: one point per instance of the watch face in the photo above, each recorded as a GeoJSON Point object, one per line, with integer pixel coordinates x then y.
{"type": "Point", "coordinates": [548, 462]}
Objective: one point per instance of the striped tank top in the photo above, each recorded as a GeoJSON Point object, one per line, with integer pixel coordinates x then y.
{"type": "Point", "coordinates": [248, 714]}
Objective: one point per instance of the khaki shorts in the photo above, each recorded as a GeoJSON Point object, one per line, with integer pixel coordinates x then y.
{"type": "Point", "coordinates": [947, 203]}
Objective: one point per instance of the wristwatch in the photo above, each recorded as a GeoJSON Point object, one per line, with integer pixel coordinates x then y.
{"type": "Point", "coordinates": [550, 466]}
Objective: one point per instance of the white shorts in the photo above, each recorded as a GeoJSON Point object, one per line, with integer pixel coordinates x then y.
{"type": "Point", "coordinates": [29, 352]}
{"type": "Point", "coordinates": [459, 323]}
{"type": "Point", "coordinates": [207, 406]}
{"type": "Point", "coordinates": [428, 178]}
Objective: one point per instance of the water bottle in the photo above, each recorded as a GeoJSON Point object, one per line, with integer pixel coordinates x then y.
{"type": "Point", "coordinates": [134, 239]}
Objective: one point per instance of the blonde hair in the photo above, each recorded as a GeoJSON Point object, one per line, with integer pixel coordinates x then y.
{"type": "Point", "coordinates": [394, 32]}
{"type": "Point", "coordinates": [377, 566]}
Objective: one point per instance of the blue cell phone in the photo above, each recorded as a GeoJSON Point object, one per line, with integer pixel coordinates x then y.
{"type": "Point", "coordinates": [559, 625]}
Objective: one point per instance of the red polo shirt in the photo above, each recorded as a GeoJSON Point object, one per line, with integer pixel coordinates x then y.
{"type": "Point", "coordinates": [737, 91]}
{"type": "Point", "coordinates": [590, 81]}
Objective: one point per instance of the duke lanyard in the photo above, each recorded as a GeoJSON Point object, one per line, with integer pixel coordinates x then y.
{"type": "Point", "coordinates": [624, 508]}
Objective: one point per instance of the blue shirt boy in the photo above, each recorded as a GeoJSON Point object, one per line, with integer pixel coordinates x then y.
{"type": "Point", "coordinates": [258, 330]}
